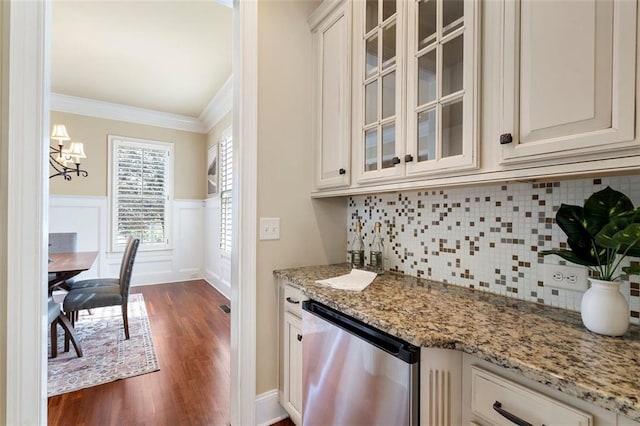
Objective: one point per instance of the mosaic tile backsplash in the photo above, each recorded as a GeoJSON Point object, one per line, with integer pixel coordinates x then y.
{"type": "Point", "coordinates": [488, 237]}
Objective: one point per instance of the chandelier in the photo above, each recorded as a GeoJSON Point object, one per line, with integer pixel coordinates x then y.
{"type": "Point", "coordinates": [65, 162]}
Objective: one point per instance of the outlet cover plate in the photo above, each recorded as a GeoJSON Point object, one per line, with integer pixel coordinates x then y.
{"type": "Point", "coordinates": [566, 276]}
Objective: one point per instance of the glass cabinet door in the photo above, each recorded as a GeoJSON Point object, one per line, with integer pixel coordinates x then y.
{"type": "Point", "coordinates": [442, 77]}
{"type": "Point", "coordinates": [378, 73]}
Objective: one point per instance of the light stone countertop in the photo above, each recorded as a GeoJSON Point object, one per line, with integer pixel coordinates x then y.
{"type": "Point", "coordinates": [545, 344]}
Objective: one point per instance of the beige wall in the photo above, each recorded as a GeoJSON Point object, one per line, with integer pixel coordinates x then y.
{"type": "Point", "coordinates": [312, 231]}
{"type": "Point", "coordinates": [214, 136]}
{"type": "Point", "coordinates": [189, 149]}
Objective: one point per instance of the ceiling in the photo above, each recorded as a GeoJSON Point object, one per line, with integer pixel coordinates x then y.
{"type": "Point", "coordinates": [168, 56]}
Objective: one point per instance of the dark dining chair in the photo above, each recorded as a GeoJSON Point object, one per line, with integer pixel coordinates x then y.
{"type": "Point", "coordinates": [62, 242]}
{"type": "Point", "coordinates": [102, 292]}
{"type": "Point", "coordinates": [57, 317]}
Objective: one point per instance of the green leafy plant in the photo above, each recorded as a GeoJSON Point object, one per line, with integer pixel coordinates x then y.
{"type": "Point", "coordinates": [601, 234]}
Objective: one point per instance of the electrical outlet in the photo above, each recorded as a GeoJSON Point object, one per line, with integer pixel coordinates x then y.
{"type": "Point", "coordinates": [566, 277]}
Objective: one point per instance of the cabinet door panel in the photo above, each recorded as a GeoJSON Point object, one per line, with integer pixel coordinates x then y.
{"type": "Point", "coordinates": [442, 86]}
{"type": "Point", "coordinates": [293, 366]}
{"type": "Point", "coordinates": [332, 46]}
{"type": "Point", "coordinates": [378, 76]}
{"type": "Point", "coordinates": [568, 78]}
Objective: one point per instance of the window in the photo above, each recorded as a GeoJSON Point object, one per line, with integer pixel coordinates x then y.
{"type": "Point", "coordinates": [140, 191]}
{"type": "Point", "coordinates": [226, 184]}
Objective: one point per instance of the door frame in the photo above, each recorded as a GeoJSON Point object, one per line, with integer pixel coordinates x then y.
{"type": "Point", "coordinates": [24, 188]}
{"type": "Point", "coordinates": [23, 205]}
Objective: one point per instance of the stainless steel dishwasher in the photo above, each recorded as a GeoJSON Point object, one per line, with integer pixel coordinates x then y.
{"type": "Point", "coordinates": [354, 374]}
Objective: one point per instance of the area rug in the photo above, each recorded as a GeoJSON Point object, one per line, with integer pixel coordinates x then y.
{"type": "Point", "coordinates": [107, 355]}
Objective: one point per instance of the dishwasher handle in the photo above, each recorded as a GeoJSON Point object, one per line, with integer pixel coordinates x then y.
{"type": "Point", "coordinates": [384, 341]}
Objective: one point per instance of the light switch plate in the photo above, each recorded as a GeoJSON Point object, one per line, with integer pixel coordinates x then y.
{"type": "Point", "coordinates": [269, 228]}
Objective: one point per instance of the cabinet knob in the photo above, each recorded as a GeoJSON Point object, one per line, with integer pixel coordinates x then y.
{"type": "Point", "coordinates": [408, 158]}
{"type": "Point", "coordinates": [395, 160]}
{"type": "Point", "coordinates": [290, 300]}
{"type": "Point", "coordinates": [342, 171]}
{"type": "Point", "coordinates": [506, 138]}
{"type": "Point", "coordinates": [299, 337]}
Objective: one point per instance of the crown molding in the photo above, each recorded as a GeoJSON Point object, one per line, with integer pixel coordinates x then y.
{"type": "Point", "coordinates": [219, 105]}
{"type": "Point", "coordinates": [325, 8]}
{"type": "Point", "coordinates": [112, 111]}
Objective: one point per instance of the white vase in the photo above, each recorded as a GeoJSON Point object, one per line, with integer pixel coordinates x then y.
{"type": "Point", "coordinates": [604, 309]}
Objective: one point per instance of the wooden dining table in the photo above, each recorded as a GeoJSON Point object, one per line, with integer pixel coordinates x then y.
{"type": "Point", "coordinates": [63, 266]}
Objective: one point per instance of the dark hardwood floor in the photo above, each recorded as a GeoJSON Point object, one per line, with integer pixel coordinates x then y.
{"type": "Point", "coordinates": [191, 337]}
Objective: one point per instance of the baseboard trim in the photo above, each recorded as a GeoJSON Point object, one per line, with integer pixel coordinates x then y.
{"type": "Point", "coordinates": [268, 409]}
{"type": "Point", "coordinates": [222, 287]}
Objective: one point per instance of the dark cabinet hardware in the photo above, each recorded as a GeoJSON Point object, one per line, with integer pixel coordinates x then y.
{"type": "Point", "coordinates": [290, 300]}
{"type": "Point", "coordinates": [342, 171]}
{"type": "Point", "coordinates": [506, 138]}
{"type": "Point", "coordinates": [395, 160]}
{"type": "Point", "coordinates": [408, 158]}
{"type": "Point", "coordinates": [507, 415]}
{"type": "Point", "coordinates": [299, 337]}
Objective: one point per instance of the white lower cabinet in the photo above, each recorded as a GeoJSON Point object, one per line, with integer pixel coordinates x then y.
{"type": "Point", "coordinates": [293, 367]}
{"type": "Point", "coordinates": [460, 389]}
{"type": "Point", "coordinates": [489, 390]}
{"type": "Point", "coordinates": [440, 387]}
{"type": "Point", "coordinates": [290, 350]}
{"type": "Point", "coordinates": [497, 401]}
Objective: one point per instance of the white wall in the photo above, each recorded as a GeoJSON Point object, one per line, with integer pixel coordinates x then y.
{"type": "Point", "coordinates": [89, 217]}
{"type": "Point", "coordinates": [217, 268]}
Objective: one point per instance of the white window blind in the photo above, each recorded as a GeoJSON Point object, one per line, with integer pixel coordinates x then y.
{"type": "Point", "coordinates": [226, 185]}
{"type": "Point", "coordinates": [141, 182]}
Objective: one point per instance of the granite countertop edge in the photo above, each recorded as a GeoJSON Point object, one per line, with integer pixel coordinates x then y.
{"type": "Point", "coordinates": [441, 333]}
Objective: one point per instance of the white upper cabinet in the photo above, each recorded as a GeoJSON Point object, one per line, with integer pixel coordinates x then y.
{"type": "Point", "coordinates": [378, 77]}
{"type": "Point", "coordinates": [568, 79]}
{"type": "Point", "coordinates": [416, 67]}
{"type": "Point", "coordinates": [442, 85]}
{"type": "Point", "coordinates": [331, 122]}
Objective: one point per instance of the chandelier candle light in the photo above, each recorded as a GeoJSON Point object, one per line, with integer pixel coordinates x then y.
{"type": "Point", "coordinates": [61, 159]}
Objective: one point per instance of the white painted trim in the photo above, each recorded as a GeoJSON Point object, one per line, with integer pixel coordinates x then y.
{"type": "Point", "coordinates": [219, 286]}
{"type": "Point", "coordinates": [268, 409]}
{"type": "Point", "coordinates": [228, 3]}
{"type": "Point", "coordinates": [321, 12]}
{"type": "Point", "coordinates": [26, 137]}
{"type": "Point", "coordinates": [219, 106]}
{"type": "Point", "coordinates": [243, 255]}
{"type": "Point", "coordinates": [119, 112]}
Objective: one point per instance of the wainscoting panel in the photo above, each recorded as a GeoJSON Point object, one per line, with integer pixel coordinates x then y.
{"type": "Point", "coordinates": [217, 268]}
{"type": "Point", "coordinates": [89, 217]}
{"type": "Point", "coordinates": [188, 238]}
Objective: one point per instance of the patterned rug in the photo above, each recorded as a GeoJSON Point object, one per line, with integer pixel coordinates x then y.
{"type": "Point", "coordinates": [107, 355]}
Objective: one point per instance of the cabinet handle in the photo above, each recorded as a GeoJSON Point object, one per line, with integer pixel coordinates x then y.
{"type": "Point", "coordinates": [342, 171]}
{"type": "Point", "coordinates": [507, 415]}
{"type": "Point", "coordinates": [395, 160]}
{"type": "Point", "coordinates": [290, 300]}
{"type": "Point", "coordinates": [408, 158]}
{"type": "Point", "coordinates": [506, 138]}
{"type": "Point", "coordinates": [299, 337]}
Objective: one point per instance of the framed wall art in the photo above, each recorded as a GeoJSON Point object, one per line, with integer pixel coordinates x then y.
{"type": "Point", "coordinates": [212, 170]}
